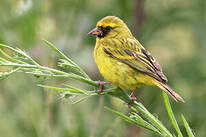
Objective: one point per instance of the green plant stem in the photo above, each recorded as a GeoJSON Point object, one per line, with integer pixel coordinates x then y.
{"type": "Point", "coordinates": [155, 122]}
{"type": "Point", "coordinates": [11, 58]}
{"type": "Point", "coordinates": [66, 58]}
{"type": "Point", "coordinates": [3, 61]}
{"type": "Point", "coordinates": [189, 131]}
{"type": "Point", "coordinates": [145, 120]}
{"type": "Point", "coordinates": [171, 115]}
{"type": "Point", "coordinates": [144, 124]}
{"type": "Point", "coordinates": [61, 73]}
{"type": "Point", "coordinates": [19, 52]}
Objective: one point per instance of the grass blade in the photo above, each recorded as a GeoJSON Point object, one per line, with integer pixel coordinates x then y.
{"type": "Point", "coordinates": [138, 107]}
{"type": "Point", "coordinates": [66, 58]}
{"type": "Point", "coordinates": [19, 52]}
{"type": "Point", "coordinates": [11, 58]}
{"type": "Point", "coordinates": [187, 127]}
{"type": "Point", "coordinates": [171, 114]}
{"type": "Point", "coordinates": [80, 90]}
{"type": "Point", "coordinates": [62, 89]}
{"type": "Point", "coordinates": [138, 122]}
{"type": "Point", "coordinates": [81, 99]}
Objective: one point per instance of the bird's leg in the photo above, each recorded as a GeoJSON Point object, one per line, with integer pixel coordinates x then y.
{"type": "Point", "coordinates": [133, 99]}
{"type": "Point", "coordinates": [132, 96]}
{"type": "Point", "coordinates": [101, 85]}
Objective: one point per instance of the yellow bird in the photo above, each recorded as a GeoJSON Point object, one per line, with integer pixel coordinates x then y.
{"type": "Point", "coordinates": [123, 61]}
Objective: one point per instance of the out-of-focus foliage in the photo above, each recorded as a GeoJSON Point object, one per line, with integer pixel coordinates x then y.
{"type": "Point", "coordinates": [20, 62]}
{"type": "Point", "coordinates": [173, 31]}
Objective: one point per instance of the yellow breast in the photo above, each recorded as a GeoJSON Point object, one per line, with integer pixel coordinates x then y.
{"type": "Point", "coordinates": [120, 74]}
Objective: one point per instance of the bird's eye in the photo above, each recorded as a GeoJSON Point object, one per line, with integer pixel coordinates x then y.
{"type": "Point", "coordinates": [108, 28]}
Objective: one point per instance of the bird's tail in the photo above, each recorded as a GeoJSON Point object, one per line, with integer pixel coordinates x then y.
{"type": "Point", "coordinates": [170, 92]}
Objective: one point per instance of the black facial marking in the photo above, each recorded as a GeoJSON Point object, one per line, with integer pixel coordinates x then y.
{"type": "Point", "coordinates": [105, 31]}
{"type": "Point", "coordinates": [108, 28]}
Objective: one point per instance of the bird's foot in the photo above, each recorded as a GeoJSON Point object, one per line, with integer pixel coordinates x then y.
{"type": "Point", "coordinates": [101, 85]}
{"type": "Point", "coordinates": [133, 98]}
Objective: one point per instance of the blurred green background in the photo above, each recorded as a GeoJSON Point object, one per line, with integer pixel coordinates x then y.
{"type": "Point", "coordinates": [173, 31]}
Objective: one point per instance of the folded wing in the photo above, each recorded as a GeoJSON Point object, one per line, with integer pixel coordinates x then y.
{"type": "Point", "coordinates": [131, 52]}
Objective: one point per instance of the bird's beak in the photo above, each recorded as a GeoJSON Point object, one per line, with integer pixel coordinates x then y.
{"type": "Point", "coordinates": [96, 31]}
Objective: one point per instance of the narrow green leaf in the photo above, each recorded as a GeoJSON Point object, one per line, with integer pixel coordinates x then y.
{"type": "Point", "coordinates": [80, 90]}
{"type": "Point", "coordinates": [4, 75]}
{"type": "Point", "coordinates": [81, 99]}
{"type": "Point", "coordinates": [51, 87]}
{"type": "Point", "coordinates": [11, 58]}
{"type": "Point", "coordinates": [141, 120]}
{"type": "Point", "coordinates": [57, 73]}
{"type": "Point", "coordinates": [139, 108]}
{"type": "Point", "coordinates": [171, 114]}
{"type": "Point", "coordinates": [19, 51]}
{"type": "Point", "coordinates": [3, 61]}
{"type": "Point", "coordinates": [66, 58]}
{"type": "Point", "coordinates": [138, 122]}
{"type": "Point", "coordinates": [65, 64]}
{"type": "Point", "coordinates": [59, 52]}
{"type": "Point", "coordinates": [187, 127]}
{"type": "Point", "coordinates": [61, 89]}
{"type": "Point", "coordinates": [67, 94]}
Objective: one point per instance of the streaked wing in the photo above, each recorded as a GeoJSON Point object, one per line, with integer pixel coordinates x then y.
{"type": "Point", "coordinates": [132, 53]}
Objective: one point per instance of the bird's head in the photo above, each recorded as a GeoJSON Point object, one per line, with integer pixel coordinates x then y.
{"type": "Point", "coordinates": [110, 27]}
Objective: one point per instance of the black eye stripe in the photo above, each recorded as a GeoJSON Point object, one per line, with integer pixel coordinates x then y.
{"type": "Point", "coordinates": [108, 28]}
{"type": "Point", "coordinates": [105, 30]}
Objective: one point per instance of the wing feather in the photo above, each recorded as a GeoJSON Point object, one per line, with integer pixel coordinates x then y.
{"type": "Point", "coordinates": [132, 53]}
